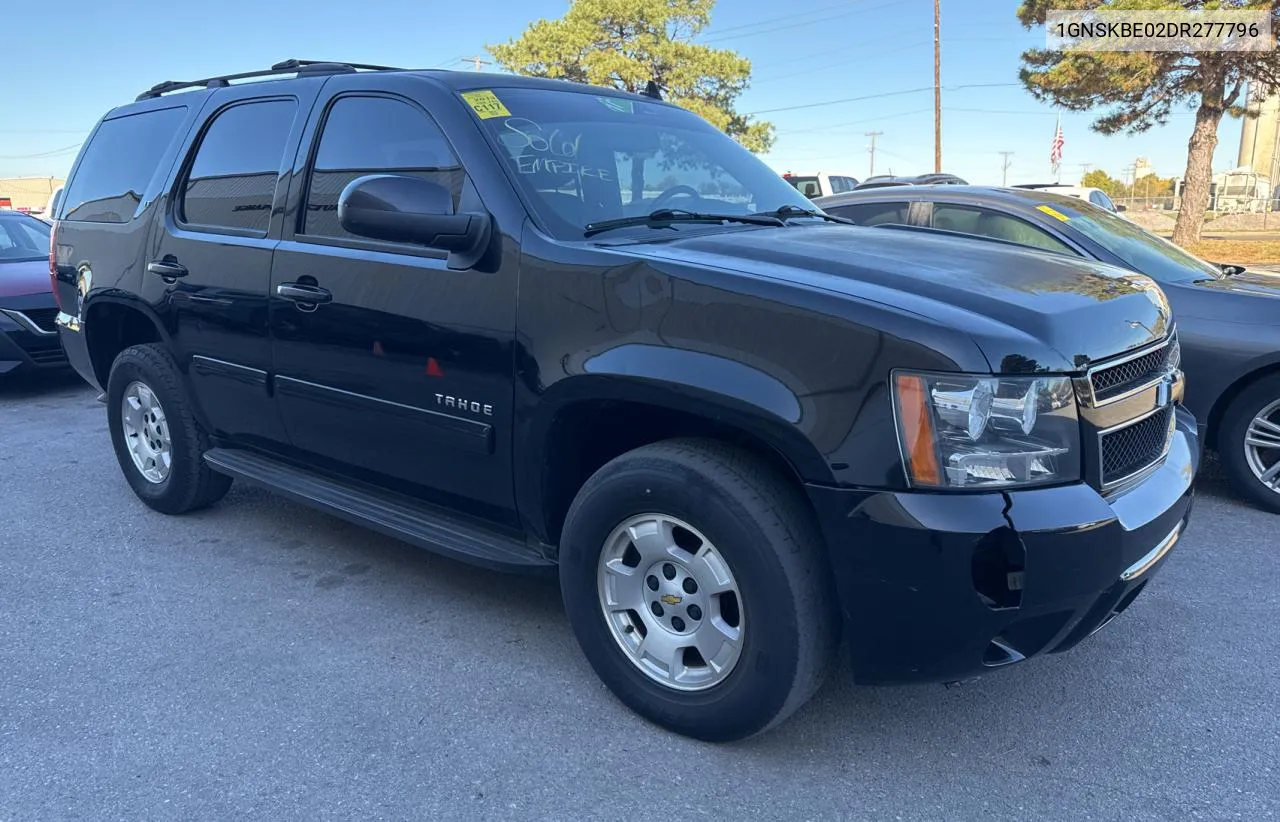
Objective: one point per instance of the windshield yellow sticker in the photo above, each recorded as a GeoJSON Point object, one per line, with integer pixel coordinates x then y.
{"type": "Point", "coordinates": [1050, 210]}
{"type": "Point", "coordinates": [486, 104]}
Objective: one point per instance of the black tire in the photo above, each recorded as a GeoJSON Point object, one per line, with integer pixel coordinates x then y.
{"type": "Point", "coordinates": [190, 484]}
{"type": "Point", "coordinates": [1231, 441]}
{"type": "Point", "coordinates": [762, 526]}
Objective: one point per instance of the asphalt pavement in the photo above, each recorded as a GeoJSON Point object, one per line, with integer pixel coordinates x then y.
{"type": "Point", "coordinates": [262, 661]}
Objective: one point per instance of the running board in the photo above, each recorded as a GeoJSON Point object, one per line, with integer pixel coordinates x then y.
{"type": "Point", "coordinates": [422, 524]}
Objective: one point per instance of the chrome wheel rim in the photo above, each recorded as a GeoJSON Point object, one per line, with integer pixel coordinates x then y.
{"type": "Point", "coordinates": [671, 602]}
{"type": "Point", "coordinates": [1262, 446]}
{"type": "Point", "coordinates": [146, 432]}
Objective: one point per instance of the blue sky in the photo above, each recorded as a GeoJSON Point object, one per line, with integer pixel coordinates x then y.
{"type": "Point", "coordinates": [803, 52]}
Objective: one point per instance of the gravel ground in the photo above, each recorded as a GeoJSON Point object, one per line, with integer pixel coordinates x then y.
{"type": "Point", "coordinates": [259, 660]}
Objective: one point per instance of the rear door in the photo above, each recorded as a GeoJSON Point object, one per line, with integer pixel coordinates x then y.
{"type": "Point", "coordinates": [401, 370]}
{"type": "Point", "coordinates": [211, 261]}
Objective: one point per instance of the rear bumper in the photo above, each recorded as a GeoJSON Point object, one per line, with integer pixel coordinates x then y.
{"type": "Point", "coordinates": [25, 346]}
{"type": "Point", "coordinates": [939, 587]}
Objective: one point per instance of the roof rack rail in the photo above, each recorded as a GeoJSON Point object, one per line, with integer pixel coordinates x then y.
{"type": "Point", "coordinates": [297, 67]}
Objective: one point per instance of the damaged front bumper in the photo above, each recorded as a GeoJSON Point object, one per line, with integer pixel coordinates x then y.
{"type": "Point", "coordinates": [940, 587]}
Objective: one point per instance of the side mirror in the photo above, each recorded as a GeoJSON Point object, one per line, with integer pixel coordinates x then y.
{"type": "Point", "coordinates": [1122, 207]}
{"type": "Point", "coordinates": [404, 209]}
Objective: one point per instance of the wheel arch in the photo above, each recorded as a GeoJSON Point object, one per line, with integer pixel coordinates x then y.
{"type": "Point", "coordinates": [585, 421]}
{"type": "Point", "coordinates": [1256, 370]}
{"type": "Point", "coordinates": [112, 324]}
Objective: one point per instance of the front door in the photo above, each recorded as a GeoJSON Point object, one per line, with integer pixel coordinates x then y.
{"type": "Point", "coordinates": [389, 364]}
{"type": "Point", "coordinates": [210, 262]}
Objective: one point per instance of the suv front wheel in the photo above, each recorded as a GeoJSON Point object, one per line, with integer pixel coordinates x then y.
{"type": "Point", "coordinates": [157, 440]}
{"type": "Point", "coordinates": [694, 579]}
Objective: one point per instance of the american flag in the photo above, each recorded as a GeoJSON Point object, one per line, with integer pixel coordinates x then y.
{"type": "Point", "coordinates": [1055, 154]}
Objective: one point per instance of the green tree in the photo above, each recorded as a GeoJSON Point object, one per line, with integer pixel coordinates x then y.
{"type": "Point", "coordinates": [1100, 179]}
{"type": "Point", "coordinates": [1141, 89]}
{"type": "Point", "coordinates": [627, 43]}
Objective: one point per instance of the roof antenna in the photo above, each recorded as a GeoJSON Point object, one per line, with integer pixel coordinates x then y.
{"type": "Point", "coordinates": [652, 90]}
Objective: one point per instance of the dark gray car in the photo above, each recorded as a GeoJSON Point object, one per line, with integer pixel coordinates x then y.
{"type": "Point", "coordinates": [1228, 317]}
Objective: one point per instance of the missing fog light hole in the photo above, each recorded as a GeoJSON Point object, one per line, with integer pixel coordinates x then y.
{"type": "Point", "coordinates": [998, 565]}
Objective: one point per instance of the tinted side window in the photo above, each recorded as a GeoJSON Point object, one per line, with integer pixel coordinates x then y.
{"type": "Point", "coordinates": [117, 165]}
{"type": "Point", "coordinates": [873, 213]}
{"type": "Point", "coordinates": [232, 182]}
{"type": "Point", "coordinates": [986, 223]}
{"type": "Point", "coordinates": [374, 135]}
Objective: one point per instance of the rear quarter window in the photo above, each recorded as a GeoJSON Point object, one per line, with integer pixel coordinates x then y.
{"type": "Point", "coordinates": [118, 163]}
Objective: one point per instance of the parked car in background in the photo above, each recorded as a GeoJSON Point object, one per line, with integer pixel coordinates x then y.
{"type": "Point", "coordinates": [1227, 316]}
{"type": "Point", "coordinates": [28, 335]}
{"type": "Point", "coordinates": [820, 184]}
{"type": "Point", "coordinates": [886, 180]}
{"type": "Point", "coordinates": [1094, 195]}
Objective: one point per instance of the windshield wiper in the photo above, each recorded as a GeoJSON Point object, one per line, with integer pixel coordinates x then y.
{"type": "Point", "coordinates": [664, 216]}
{"type": "Point", "coordinates": [788, 211]}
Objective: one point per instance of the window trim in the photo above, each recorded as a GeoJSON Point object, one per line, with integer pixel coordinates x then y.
{"type": "Point", "coordinates": [298, 227]}
{"type": "Point", "coordinates": [177, 197]}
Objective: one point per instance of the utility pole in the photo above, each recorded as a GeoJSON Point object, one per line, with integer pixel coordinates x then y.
{"type": "Point", "coordinates": [1084, 169]}
{"type": "Point", "coordinates": [872, 150]}
{"type": "Point", "coordinates": [476, 61]}
{"type": "Point", "coordinates": [1004, 168]}
{"type": "Point", "coordinates": [937, 86]}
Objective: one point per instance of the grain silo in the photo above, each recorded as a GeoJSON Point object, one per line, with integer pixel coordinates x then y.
{"type": "Point", "coordinates": [1260, 135]}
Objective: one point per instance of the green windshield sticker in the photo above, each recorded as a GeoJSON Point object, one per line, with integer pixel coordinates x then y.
{"type": "Point", "coordinates": [614, 104]}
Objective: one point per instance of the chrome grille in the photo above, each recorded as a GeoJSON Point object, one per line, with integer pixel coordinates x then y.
{"type": "Point", "coordinates": [1128, 450]}
{"type": "Point", "coordinates": [1108, 382]}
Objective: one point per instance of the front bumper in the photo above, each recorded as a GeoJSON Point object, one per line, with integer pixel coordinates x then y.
{"type": "Point", "coordinates": [24, 344]}
{"type": "Point", "coordinates": [940, 587]}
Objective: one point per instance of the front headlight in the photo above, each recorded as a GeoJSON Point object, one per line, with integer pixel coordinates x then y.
{"type": "Point", "coordinates": [967, 431]}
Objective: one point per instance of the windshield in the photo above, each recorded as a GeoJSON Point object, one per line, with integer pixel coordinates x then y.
{"type": "Point", "coordinates": [1142, 250]}
{"type": "Point", "coordinates": [584, 158]}
{"type": "Point", "coordinates": [23, 239]}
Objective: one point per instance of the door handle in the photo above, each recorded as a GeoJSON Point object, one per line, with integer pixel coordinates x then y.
{"type": "Point", "coordinates": [302, 293]}
{"type": "Point", "coordinates": [168, 270]}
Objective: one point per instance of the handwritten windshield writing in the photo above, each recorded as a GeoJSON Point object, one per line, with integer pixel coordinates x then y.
{"type": "Point", "coordinates": [522, 133]}
{"type": "Point", "coordinates": [531, 164]}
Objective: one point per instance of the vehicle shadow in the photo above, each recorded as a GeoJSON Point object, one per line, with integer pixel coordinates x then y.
{"type": "Point", "coordinates": [60, 382]}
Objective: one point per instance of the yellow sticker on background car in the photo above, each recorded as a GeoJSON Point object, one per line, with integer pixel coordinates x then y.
{"type": "Point", "coordinates": [1050, 210]}
{"type": "Point", "coordinates": [486, 104]}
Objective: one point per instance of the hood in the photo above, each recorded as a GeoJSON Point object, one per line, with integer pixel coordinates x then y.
{"type": "Point", "coordinates": [1241, 298]}
{"type": "Point", "coordinates": [1027, 310]}
{"type": "Point", "coordinates": [21, 279]}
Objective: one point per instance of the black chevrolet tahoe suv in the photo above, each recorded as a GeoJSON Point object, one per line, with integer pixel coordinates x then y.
{"type": "Point", "coordinates": [542, 326]}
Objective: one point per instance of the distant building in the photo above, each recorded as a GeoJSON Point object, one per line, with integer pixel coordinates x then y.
{"type": "Point", "coordinates": [28, 193]}
{"type": "Point", "coordinates": [1142, 168]}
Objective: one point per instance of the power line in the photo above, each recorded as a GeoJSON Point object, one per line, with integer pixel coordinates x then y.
{"type": "Point", "coordinates": [54, 152]}
{"type": "Point", "coordinates": [772, 29]}
{"type": "Point", "coordinates": [860, 56]}
{"type": "Point", "coordinates": [478, 61]}
{"type": "Point", "coordinates": [853, 122]}
{"type": "Point", "coordinates": [882, 95]}
{"type": "Point", "coordinates": [718, 35]}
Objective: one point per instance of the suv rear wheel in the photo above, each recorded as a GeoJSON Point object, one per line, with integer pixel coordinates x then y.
{"type": "Point", "coordinates": [695, 582]}
{"type": "Point", "coordinates": [157, 440]}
